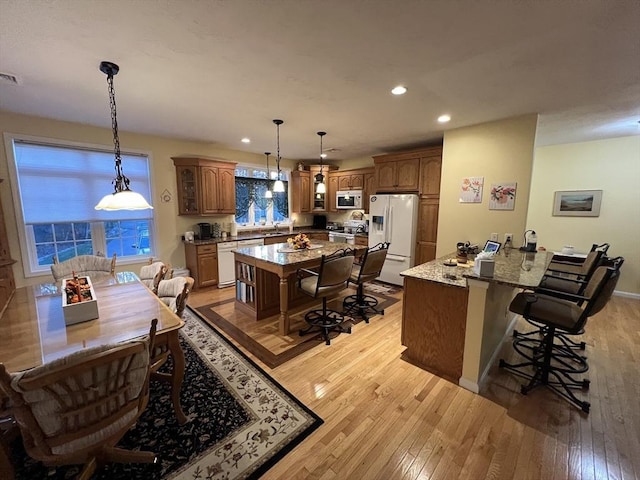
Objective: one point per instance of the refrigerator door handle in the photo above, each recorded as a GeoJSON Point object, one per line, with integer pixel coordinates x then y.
{"type": "Point", "coordinates": [390, 224]}
{"type": "Point", "coordinates": [395, 258]}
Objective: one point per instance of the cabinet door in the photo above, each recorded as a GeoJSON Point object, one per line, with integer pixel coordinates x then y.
{"type": "Point", "coordinates": [332, 189]}
{"type": "Point", "coordinates": [207, 270]}
{"type": "Point", "coordinates": [385, 177]}
{"type": "Point", "coordinates": [188, 190]}
{"type": "Point", "coordinates": [209, 179]}
{"type": "Point", "coordinates": [356, 182]}
{"type": "Point", "coordinates": [430, 172]}
{"type": "Point", "coordinates": [305, 194]}
{"type": "Point", "coordinates": [344, 182]}
{"type": "Point", "coordinates": [407, 174]}
{"type": "Point", "coordinates": [369, 189]}
{"type": "Point", "coordinates": [425, 252]}
{"type": "Point", "coordinates": [227, 190]}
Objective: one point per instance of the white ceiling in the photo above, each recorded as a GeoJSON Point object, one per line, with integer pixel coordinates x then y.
{"type": "Point", "coordinates": [215, 71]}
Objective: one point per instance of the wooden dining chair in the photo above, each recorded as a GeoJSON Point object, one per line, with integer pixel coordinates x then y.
{"type": "Point", "coordinates": [152, 273]}
{"type": "Point", "coordinates": [92, 266]}
{"type": "Point", "coordinates": [74, 410]}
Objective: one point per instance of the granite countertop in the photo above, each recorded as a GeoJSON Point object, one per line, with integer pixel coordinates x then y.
{"type": "Point", "coordinates": [264, 234]}
{"type": "Point", "coordinates": [516, 269]}
{"type": "Point", "coordinates": [271, 253]}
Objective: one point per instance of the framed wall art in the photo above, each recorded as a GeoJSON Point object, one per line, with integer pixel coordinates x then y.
{"type": "Point", "coordinates": [471, 190]}
{"type": "Point", "coordinates": [577, 203]}
{"type": "Point", "coordinates": [503, 196]}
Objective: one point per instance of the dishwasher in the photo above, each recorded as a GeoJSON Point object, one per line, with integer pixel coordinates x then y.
{"type": "Point", "coordinates": [226, 261]}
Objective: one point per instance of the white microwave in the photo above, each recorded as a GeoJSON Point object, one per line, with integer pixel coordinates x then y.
{"type": "Point", "coordinates": [349, 199]}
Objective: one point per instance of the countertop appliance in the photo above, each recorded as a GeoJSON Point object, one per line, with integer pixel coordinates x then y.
{"type": "Point", "coordinates": [348, 235]}
{"type": "Point", "coordinates": [226, 260]}
{"type": "Point", "coordinates": [349, 199]}
{"type": "Point", "coordinates": [320, 221]}
{"type": "Point", "coordinates": [205, 231]}
{"type": "Point", "coordinates": [394, 219]}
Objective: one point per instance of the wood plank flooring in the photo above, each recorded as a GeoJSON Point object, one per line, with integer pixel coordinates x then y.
{"type": "Point", "coordinates": [388, 419]}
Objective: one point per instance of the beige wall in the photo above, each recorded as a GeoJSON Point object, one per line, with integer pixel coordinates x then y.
{"type": "Point", "coordinates": [169, 226]}
{"type": "Point", "coordinates": [500, 151]}
{"type": "Point", "coordinates": [612, 166]}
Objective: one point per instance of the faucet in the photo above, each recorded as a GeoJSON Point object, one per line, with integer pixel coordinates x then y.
{"type": "Point", "coordinates": [275, 226]}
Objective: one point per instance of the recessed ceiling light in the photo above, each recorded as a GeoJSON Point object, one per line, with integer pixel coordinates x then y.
{"type": "Point", "coordinates": [444, 118]}
{"type": "Point", "coordinates": [246, 140]}
{"type": "Point", "coordinates": [399, 90]}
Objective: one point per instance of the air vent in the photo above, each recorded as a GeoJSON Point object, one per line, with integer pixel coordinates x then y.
{"type": "Point", "coordinates": [8, 78]}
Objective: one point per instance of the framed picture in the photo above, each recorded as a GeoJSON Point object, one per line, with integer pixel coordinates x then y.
{"type": "Point", "coordinates": [503, 196]}
{"type": "Point", "coordinates": [577, 203]}
{"type": "Point", "coordinates": [471, 190]}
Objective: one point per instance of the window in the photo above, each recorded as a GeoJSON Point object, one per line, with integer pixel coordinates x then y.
{"type": "Point", "coordinates": [58, 185]}
{"type": "Point", "coordinates": [252, 207]}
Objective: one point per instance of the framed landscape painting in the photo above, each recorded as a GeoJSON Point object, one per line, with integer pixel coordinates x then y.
{"type": "Point", "coordinates": [577, 203]}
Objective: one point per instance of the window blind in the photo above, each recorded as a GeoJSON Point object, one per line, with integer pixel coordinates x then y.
{"type": "Point", "coordinates": [63, 184]}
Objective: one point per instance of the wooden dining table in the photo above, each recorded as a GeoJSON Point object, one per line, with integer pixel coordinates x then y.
{"type": "Point", "coordinates": [33, 330]}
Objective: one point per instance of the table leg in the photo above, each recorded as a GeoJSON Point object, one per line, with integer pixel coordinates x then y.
{"type": "Point", "coordinates": [177, 376]}
{"type": "Point", "coordinates": [284, 306]}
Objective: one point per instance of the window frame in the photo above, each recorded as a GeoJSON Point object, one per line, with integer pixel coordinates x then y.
{"type": "Point", "coordinates": [26, 236]}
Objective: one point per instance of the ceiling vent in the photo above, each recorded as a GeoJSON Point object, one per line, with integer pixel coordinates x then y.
{"type": "Point", "coordinates": [8, 78]}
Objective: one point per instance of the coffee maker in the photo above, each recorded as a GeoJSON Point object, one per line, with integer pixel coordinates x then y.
{"type": "Point", "coordinates": [205, 231]}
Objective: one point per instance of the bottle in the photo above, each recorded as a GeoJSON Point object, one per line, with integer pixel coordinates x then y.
{"type": "Point", "coordinates": [532, 242]}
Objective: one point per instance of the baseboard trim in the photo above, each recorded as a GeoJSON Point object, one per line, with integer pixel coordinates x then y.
{"type": "Point", "coordinates": [627, 294]}
{"type": "Point", "coordinates": [469, 385]}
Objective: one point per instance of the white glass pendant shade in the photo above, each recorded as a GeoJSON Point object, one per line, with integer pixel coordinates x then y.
{"type": "Point", "coordinates": [321, 188]}
{"type": "Point", "coordinates": [126, 200]}
{"type": "Point", "coordinates": [268, 194]}
{"type": "Point", "coordinates": [278, 186]}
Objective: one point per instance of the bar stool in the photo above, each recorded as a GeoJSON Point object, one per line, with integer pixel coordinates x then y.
{"type": "Point", "coordinates": [332, 277]}
{"type": "Point", "coordinates": [369, 269]}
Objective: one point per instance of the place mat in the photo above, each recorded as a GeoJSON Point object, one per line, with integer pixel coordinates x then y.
{"type": "Point", "coordinates": [293, 250]}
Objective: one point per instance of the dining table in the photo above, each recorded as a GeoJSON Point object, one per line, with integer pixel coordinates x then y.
{"type": "Point", "coordinates": [33, 331]}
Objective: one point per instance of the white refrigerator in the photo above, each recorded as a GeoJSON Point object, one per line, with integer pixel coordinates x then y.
{"type": "Point", "coordinates": [393, 218]}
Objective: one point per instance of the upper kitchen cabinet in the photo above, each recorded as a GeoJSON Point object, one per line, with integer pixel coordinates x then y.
{"type": "Point", "coordinates": [300, 191]}
{"type": "Point", "coordinates": [350, 181]}
{"type": "Point", "coordinates": [205, 187]}
{"type": "Point", "coordinates": [356, 179]}
{"type": "Point", "coordinates": [397, 173]}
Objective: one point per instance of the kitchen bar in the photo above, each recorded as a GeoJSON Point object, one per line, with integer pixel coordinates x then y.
{"type": "Point", "coordinates": [453, 327]}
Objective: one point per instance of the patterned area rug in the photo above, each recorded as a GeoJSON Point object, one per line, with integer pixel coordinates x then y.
{"type": "Point", "coordinates": [241, 421]}
{"type": "Point", "coordinates": [379, 290]}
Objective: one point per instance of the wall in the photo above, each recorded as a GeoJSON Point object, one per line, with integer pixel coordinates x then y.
{"type": "Point", "coordinates": [500, 151]}
{"type": "Point", "coordinates": [612, 166]}
{"type": "Point", "coordinates": [169, 226]}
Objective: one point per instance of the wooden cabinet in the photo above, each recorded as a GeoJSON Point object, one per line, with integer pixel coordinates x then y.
{"type": "Point", "coordinates": [351, 181]}
{"type": "Point", "coordinates": [369, 187]}
{"type": "Point", "coordinates": [202, 262]}
{"type": "Point", "coordinates": [205, 187]}
{"type": "Point", "coordinates": [7, 282]}
{"type": "Point", "coordinates": [318, 236]}
{"type": "Point", "coordinates": [397, 173]}
{"type": "Point", "coordinates": [416, 171]}
{"type": "Point", "coordinates": [300, 191]}
{"type": "Point", "coordinates": [332, 189]}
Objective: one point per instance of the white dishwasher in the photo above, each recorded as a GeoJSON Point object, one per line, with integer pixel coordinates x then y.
{"type": "Point", "coordinates": [226, 267]}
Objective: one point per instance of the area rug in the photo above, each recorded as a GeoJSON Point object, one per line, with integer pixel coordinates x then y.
{"type": "Point", "coordinates": [271, 359]}
{"type": "Point", "coordinates": [241, 421]}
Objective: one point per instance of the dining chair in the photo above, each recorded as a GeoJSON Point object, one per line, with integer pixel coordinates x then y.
{"type": "Point", "coordinates": [332, 277]}
{"type": "Point", "coordinates": [92, 266]}
{"type": "Point", "coordinates": [75, 410]}
{"type": "Point", "coordinates": [152, 273]}
{"type": "Point", "coordinates": [175, 293]}
{"type": "Point", "coordinates": [367, 270]}
{"type": "Point", "coordinates": [554, 366]}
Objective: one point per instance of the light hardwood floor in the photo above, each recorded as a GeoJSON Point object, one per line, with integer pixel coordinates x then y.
{"type": "Point", "coordinates": [388, 419]}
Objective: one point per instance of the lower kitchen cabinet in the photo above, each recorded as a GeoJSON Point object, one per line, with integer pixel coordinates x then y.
{"type": "Point", "coordinates": [202, 262]}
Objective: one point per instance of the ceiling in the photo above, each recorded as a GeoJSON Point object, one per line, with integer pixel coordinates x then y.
{"type": "Point", "coordinates": [219, 70]}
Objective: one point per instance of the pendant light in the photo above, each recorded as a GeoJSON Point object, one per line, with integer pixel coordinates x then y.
{"type": "Point", "coordinates": [122, 198]}
{"type": "Point", "coordinates": [278, 186]}
{"type": "Point", "coordinates": [321, 188]}
{"type": "Point", "coordinates": [268, 193]}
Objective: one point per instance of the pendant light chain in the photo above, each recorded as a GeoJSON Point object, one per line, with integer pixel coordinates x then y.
{"type": "Point", "coordinates": [121, 182]}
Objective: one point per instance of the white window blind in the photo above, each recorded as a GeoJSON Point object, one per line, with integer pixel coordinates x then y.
{"type": "Point", "coordinates": [62, 184]}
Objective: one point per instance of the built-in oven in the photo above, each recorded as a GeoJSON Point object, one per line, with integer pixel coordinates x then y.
{"type": "Point", "coordinates": [341, 237]}
{"type": "Point", "coordinates": [346, 199]}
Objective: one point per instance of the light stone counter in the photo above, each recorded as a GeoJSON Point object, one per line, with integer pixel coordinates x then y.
{"type": "Point", "coordinates": [515, 269]}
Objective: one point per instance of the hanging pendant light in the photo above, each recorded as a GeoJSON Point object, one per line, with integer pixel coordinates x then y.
{"type": "Point", "coordinates": [268, 193]}
{"type": "Point", "coordinates": [122, 198]}
{"type": "Point", "coordinates": [321, 187]}
{"type": "Point", "coordinates": [278, 186]}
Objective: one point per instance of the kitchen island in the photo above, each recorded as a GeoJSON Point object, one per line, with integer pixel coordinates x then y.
{"type": "Point", "coordinates": [454, 326]}
{"type": "Point", "coordinates": [266, 278]}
